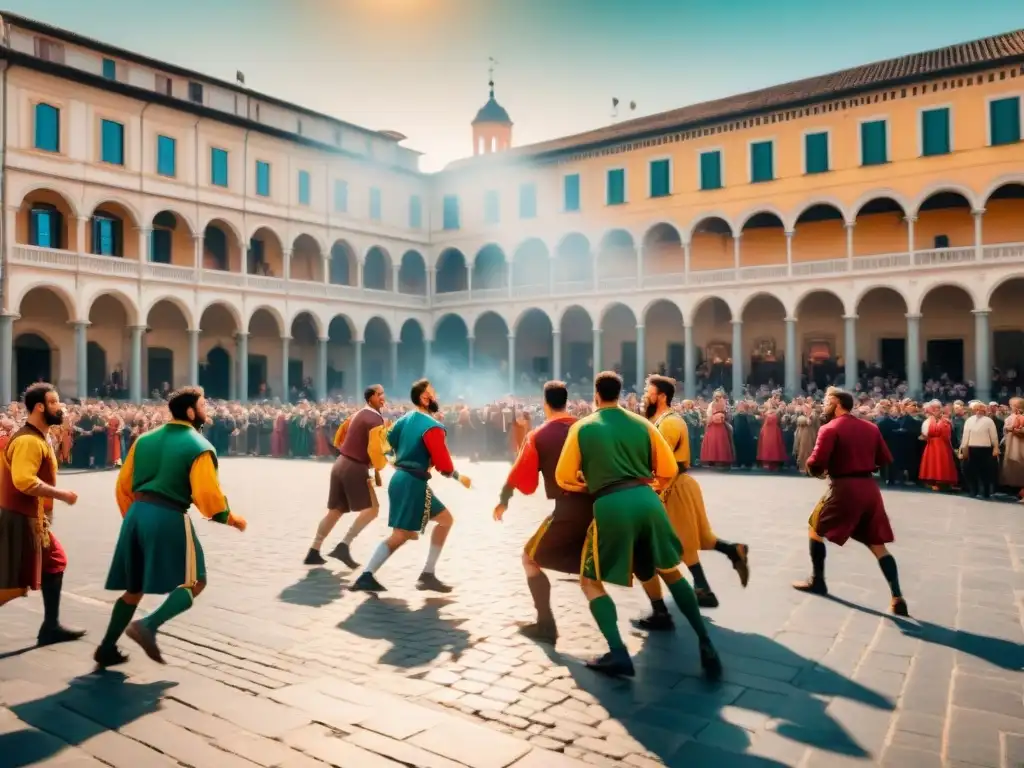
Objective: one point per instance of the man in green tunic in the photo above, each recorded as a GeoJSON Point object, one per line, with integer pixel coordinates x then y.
{"type": "Point", "coordinates": [622, 460]}
{"type": "Point", "coordinates": [158, 553]}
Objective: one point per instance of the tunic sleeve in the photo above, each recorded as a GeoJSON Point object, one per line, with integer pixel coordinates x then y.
{"type": "Point", "coordinates": [441, 460]}
{"type": "Point", "coordinates": [883, 456]}
{"type": "Point", "coordinates": [663, 462]}
{"type": "Point", "coordinates": [674, 431]}
{"type": "Point", "coordinates": [817, 463]}
{"type": "Point", "coordinates": [524, 474]}
{"type": "Point", "coordinates": [123, 489]}
{"type": "Point", "coordinates": [375, 448]}
{"type": "Point", "coordinates": [570, 463]}
{"type": "Point", "coordinates": [206, 493]}
{"type": "Point", "coordinates": [926, 426]}
{"type": "Point", "coordinates": [26, 457]}
{"type": "Point", "coordinates": [339, 436]}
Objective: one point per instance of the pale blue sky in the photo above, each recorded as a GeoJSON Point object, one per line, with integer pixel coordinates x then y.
{"type": "Point", "coordinates": [420, 66]}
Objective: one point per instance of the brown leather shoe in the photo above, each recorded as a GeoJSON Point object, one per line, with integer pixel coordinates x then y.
{"type": "Point", "coordinates": [898, 606]}
{"type": "Point", "coordinates": [813, 586]}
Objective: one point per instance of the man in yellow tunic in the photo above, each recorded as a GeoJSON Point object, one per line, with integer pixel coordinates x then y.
{"type": "Point", "coordinates": [684, 504]}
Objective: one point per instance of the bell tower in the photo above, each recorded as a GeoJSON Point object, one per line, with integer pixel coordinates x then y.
{"type": "Point", "coordinates": [492, 127]}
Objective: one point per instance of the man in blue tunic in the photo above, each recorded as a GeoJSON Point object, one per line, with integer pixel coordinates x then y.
{"type": "Point", "coordinates": [418, 440]}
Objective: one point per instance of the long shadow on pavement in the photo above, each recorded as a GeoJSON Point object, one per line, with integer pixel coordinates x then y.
{"type": "Point", "coordinates": [418, 637]}
{"type": "Point", "coordinates": [89, 706]}
{"type": "Point", "coordinates": [686, 720]}
{"type": "Point", "coordinates": [317, 589]}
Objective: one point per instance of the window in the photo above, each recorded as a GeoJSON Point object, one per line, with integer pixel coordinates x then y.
{"type": "Point", "coordinates": [816, 152]}
{"type": "Point", "coordinates": [160, 246]}
{"type": "Point", "coordinates": [110, 69]}
{"type": "Point", "coordinates": [195, 92]}
{"type": "Point", "coordinates": [874, 149]}
{"type": "Point", "coordinates": [106, 236]}
{"type": "Point", "coordinates": [761, 162]}
{"type": "Point", "coordinates": [450, 212]}
{"type": "Point", "coordinates": [219, 167]}
{"type": "Point", "coordinates": [50, 50]}
{"type": "Point", "coordinates": [47, 128]}
{"type": "Point", "coordinates": [935, 132]}
{"type": "Point", "coordinates": [262, 178]}
{"type": "Point", "coordinates": [45, 225]}
{"type": "Point", "coordinates": [661, 178]}
{"type": "Point", "coordinates": [375, 203]}
{"type": "Point", "coordinates": [1004, 121]}
{"type": "Point", "coordinates": [527, 201]}
{"type": "Point", "coordinates": [711, 170]}
{"type": "Point", "coordinates": [166, 160]}
{"type": "Point", "coordinates": [303, 187]}
{"type": "Point", "coordinates": [340, 196]}
{"type": "Point", "coordinates": [162, 84]}
{"type": "Point", "coordinates": [112, 142]}
{"type": "Point", "coordinates": [615, 194]}
{"type": "Point", "coordinates": [415, 212]}
{"type": "Point", "coordinates": [571, 192]}
{"type": "Point", "coordinates": [492, 207]}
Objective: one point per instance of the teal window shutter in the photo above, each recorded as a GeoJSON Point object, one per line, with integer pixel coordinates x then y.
{"type": "Point", "coordinates": [572, 192]}
{"type": "Point", "coordinates": [415, 212]}
{"type": "Point", "coordinates": [110, 69]}
{"type": "Point", "coordinates": [492, 207]}
{"type": "Point", "coordinates": [160, 246]}
{"type": "Point", "coordinates": [661, 184]}
{"type": "Point", "coordinates": [616, 193]}
{"type": "Point", "coordinates": [166, 150]}
{"type": "Point", "coordinates": [450, 212]}
{"type": "Point", "coordinates": [762, 162]}
{"type": "Point", "coordinates": [340, 196]}
{"type": "Point", "coordinates": [873, 143]}
{"type": "Point", "coordinates": [219, 167]}
{"type": "Point", "coordinates": [711, 170]}
{"type": "Point", "coordinates": [262, 178]}
{"type": "Point", "coordinates": [112, 142]}
{"type": "Point", "coordinates": [375, 203]}
{"type": "Point", "coordinates": [47, 128]}
{"type": "Point", "coordinates": [41, 229]}
{"type": "Point", "coordinates": [935, 132]}
{"type": "Point", "coordinates": [816, 153]}
{"type": "Point", "coordinates": [1004, 121]}
{"type": "Point", "coordinates": [106, 236]}
{"type": "Point", "coordinates": [527, 201]}
{"type": "Point", "coordinates": [303, 187]}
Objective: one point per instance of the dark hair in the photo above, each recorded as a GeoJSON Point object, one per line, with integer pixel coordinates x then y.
{"type": "Point", "coordinates": [556, 395]}
{"type": "Point", "coordinates": [36, 395]}
{"type": "Point", "coordinates": [371, 390]}
{"type": "Point", "coordinates": [608, 386]}
{"type": "Point", "coordinates": [181, 400]}
{"type": "Point", "coordinates": [666, 386]}
{"type": "Point", "coordinates": [418, 388]}
{"type": "Point", "coordinates": [845, 398]}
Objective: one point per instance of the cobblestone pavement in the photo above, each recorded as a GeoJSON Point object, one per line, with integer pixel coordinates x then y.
{"type": "Point", "coordinates": [279, 665]}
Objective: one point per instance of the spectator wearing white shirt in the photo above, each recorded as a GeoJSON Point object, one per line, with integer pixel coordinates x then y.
{"type": "Point", "coordinates": [979, 449]}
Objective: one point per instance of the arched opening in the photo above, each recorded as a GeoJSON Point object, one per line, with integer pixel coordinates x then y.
{"type": "Point", "coordinates": [215, 373]}
{"type": "Point", "coordinates": [452, 274]}
{"type": "Point", "coordinates": [574, 266]}
{"type": "Point", "coordinates": [577, 338]}
{"type": "Point", "coordinates": [307, 260]}
{"type": "Point", "coordinates": [42, 336]}
{"type": "Point", "coordinates": [303, 359]}
{"type": "Point", "coordinates": [820, 333]}
{"type": "Point", "coordinates": [618, 336]}
{"type": "Point", "coordinates": [449, 358]}
{"type": "Point", "coordinates": [944, 220]}
{"type": "Point", "coordinates": [819, 234]}
{"type": "Point", "coordinates": [616, 258]}
{"type": "Point", "coordinates": [411, 357]}
{"type": "Point", "coordinates": [265, 255]}
{"type": "Point", "coordinates": [712, 335]}
{"type": "Point", "coordinates": [265, 356]}
{"type": "Point", "coordinates": [108, 348]}
{"type": "Point", "coordinates": [46, 220]}
{"type": "Point", "coordinates": [490, 356]}
{"type": "Point", "coordinates": [663, 252]}
{"type": "Point", "coordinates": [882, 335]}
{"type": "Point", "coordinates": [947, 335]}
{"type": "Point", "coordinates": [763, 241]}
{"type": "Point", "coordinates": [342, 263]}
{"type": "Point", "coordinates": [764, 341]}
{"type": "Point", "coordinates": [664, 339]}
{"type": "Point", "coordinates": [1003, 221]}
{"type": "Point", "coordinates": [1007, 331]}
{"type": "Point", "coordinates": [377, 270]}
{"type": "Point", "coordinates": [490, 270]}
{"type": "Point", "coordinates": [111, 232]}
{"type": "Point", "coordinates": [341, 356]}
{"type": "Point", "coordinates": [712, 245]}
{"type": "Point", "coordinates": [219, 328]}
{"type": "Point", "coordinates": [170, 241]}
{"type": "Point", "coordinates": [33, 361]}
{"type": "Point", "coordinates": [532, 265]}
{"type": "Point", "coordinates": [412, 274]}
{"type": "Point", "coordinates": [880, 227]}
{"type": "Point", "coordinates": [534, 351]}
{"type": "Point", "coordinates": [220, 251]}
{"type": "Point", "coordinates": [166, 344]}
{"type": "Point", "coordinates": [376, 355]}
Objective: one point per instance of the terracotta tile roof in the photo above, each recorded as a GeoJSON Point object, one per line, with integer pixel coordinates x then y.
{"type": "Point", "coordinates": [978, 53]}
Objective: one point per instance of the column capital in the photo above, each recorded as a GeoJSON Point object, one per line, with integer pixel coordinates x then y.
{"type": "Point", "coordinates": [194, 331]}
{"type": "Point", "coordinates": [789, 234]}
{"type": "Point", "coordinates": [357, 341]}
{"type": "Point", "coordinates": [323, 339]}
{"type": "Point", "coordinates": [978, 212]}
{"type": "Point", "coordinates": [980, 312]}
{"type": "Point", "coordinates": [286, 338]}
{"type": "Point", "coordinates": [241, 335]}
{"type": "Point", "coordinates": [12, 315]}
{"type": "Point", "coordinates": [511, 337]}
{"type": "Point", "coordinates": [850, 317]}
{"type": "Point", "coordinates": [143, 230]}
{"type": "Point", "coordinates": [789, 319]}
{"type": "Point", "coordinates": [639, 326]}
{"type": "Point", "coordinates": [736, 322]}
{"type": "Point", "coordinates": [140, 327]}
{"type": "Point", "coordinates": [913, 316]}
{"type": "Point", "coordinates": [556, 332]}
{"type": "Point", "coordinates": [910, 219]}
{"type": "Point", "coordinates": [198, 236]}
{"type": "Point", "coordinates": [84, 219]}
{"type": "Point", "coordinates": [598, 330]}
{"type": "Point", "coordinates": [849, 224]}
{"type": "Point", "coordinates": [79, 323]}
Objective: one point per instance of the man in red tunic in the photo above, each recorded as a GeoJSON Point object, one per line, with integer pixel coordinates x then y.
{"type": "Point", "coordinates": [848, 451]}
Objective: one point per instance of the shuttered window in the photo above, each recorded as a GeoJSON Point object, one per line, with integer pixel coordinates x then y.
{"type": "Point", "coordinates": [527, 201]}
{"type": "Point", "coordinates": [415, 212]}
{"type": "Point", "coordinates": [762, 162]}
{"type": "Point", "coordinates": [874, 148]}
{"type": "Point", "coordinates": [112, 142]}
{"type": "Point", "coordinates": [166, 156]}
{"type": "Point", "coordinates": [450, 212]}
{"type": "Point", "coordinates": [661, 181]}
{"type": "Point", "coordinates": [375, 204]}
{"type": "Point", "coordinates": [304, 193]}
{"type": "Point", "coordinates": [219, 167]}
{"type": "Point", "coordinates": [47, 128]}
{"type": "Point", "coordinates": [935, 132]}
{"type": "Point", "coordinates": [1004, 121]}
{"type": "Point", "coordinates": [262, 178]}
{"type": "Point", "coordinates": [571, 192]}
{"type": "Point", "coordinates": [816, 153]}
{"type": "Point", "coordinates": [711, 170]}
{"type": "Point", "coordinates": [616, 192]}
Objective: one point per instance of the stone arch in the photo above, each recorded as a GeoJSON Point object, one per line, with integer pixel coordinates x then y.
{"type": "Point", "coordinates": [618, 322]}
{"type": "Point", "coordinates": [819, 233]}
{"type": "Point", "coordinates": [898, 199]}
{"type": "Point", "coordinates": [68, 198]}
{"type": "Point", "coordinates": [377, 272]}
{"type": "Point", "coordinates": [412, 274]}
{"type": "Point", "coordinates": [342, 263]}
{"type": "Point", "coordinates": [799, 299]}
{"type": "Point", "coordinates": [227, 224]}
{"type": "Point", "coordinates": [113, 229]}
{"type": "Point", "coordinates": [47, 218]}
{"type": "Point", "coordinates": [490, 268]}
{"type": "Point", "coordinates": [171, 239]}
{"type": "Point", "coordinates": [818, 201]}
{"type": "Point", "coordinates": [746, 301]}
{"type": "Point", "coordinates": [893, 287]}
{"type": "Point", "coordinates": [132, 213]}
{"type": "Point", "coordinates": [131, 308]}
{"type": "Point", "coordinates": [880, 224]}
{"type": "Point", "coordinates": [526, 313]}
{"type": "Point", "coordinates": [63, 295]}
{"type": "Point", "coordinates": [170, 298]}
{"type": "Point", "coordinates": [274, 313]}
{"type": "Point", "coordinates": [452, 271]}
{"type": "Point", "coordinates": [317, 322]}
{"type": "Point", "coordinates": [763, 238]}
{"type": "Point", "coordinates": [307, 259]}
{"type": "Point", "coordinates": [1003, 221]}
{"type": "Point", "coordinates": [944, 220]}
{"type": "Point", "coordinates": [616, 256]}
{"type": "Point", "coordinates": [185, 218]}
{"type": "Point", "coordinates": [762, 212]}
{"type": "Point", "coordinates": [713, 300]}
{"type": "Point", "coordinates": [265, 252]}
{"type": "Point", "coordinates": [378, 336]}
{"type": "Point", "coordinates": [947, 330]}
{"type": "Point", "coordinates": [222, 246]}
{"type": "Point", "coordinates": [718, 220]}
{"type": "Point", "coordinates": [574, 263]}
{"type": "Point", "coordinates": [931, 286]}
{"type": "Point", "coordinates": [712, 241]}
{"type": "Point", "coordinates": [531, 263]}
{"type": "Point", "coordinates": [881, 311]}
{"type": "Point", "coordinates": [231, 309]}
{"type": "Point", "coordinates": [939, 188]}
{"type": "Point", "coordinates": [662, 250]}
{"type": "Point", "coordinates": [450, 349]}
{"type": "Point", "coordinates": [664, 337]}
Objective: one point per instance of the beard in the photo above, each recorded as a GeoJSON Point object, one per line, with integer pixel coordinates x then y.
{"type": "Point", "coordinates": [433, 406]}
{"type": "Point", "coordinates": [650, 409]}
{"type": "Point", "coordinates": [53, 419]}
{"type": "Point", "coordinates": [828, 415]}
{"type": "Point", "coordinates": [199, 423]}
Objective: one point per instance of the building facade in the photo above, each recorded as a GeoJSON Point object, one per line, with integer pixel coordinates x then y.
{"type": "Point", "coordinates": [170, 225]}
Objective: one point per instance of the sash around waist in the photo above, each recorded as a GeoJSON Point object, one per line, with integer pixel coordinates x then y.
{"type": "Point", "coordinates": [353, 460]}
{"type": "Point", "coordinates": [422, 474]}
{"type": "Point", "coordinates": [620, 485]}
{"type": "Point", "coordinates": [156, 499]}
{"type": "Point", "coordinates": [849, 475]}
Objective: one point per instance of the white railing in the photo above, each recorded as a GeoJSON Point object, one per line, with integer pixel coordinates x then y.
{"type": "Point", "coordinates": [769, 272]}
{"type": "Point", "coordinates": [940, 257]}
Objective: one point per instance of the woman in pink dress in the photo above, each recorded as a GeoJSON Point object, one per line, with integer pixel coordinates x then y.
{"type": "Point", "coordinates": [938, 467]}
{"type": "Point", "coordinates": [717, 449]}
{"type": "Point", "coordinates": [771, 449]}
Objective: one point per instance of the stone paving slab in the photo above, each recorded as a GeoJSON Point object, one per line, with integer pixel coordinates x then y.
{"type": "Point", "coordinates": [280, 665]}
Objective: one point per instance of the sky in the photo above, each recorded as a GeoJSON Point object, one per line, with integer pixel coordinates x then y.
{"type": "Point", "coordinates": [420, 67]}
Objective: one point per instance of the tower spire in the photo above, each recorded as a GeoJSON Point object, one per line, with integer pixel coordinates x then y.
{"type": "Point", "coordinates": [490, 74]}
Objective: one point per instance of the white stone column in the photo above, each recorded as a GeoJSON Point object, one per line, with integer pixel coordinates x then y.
{"type": "Point", "coordinates": [469, 280]}
{"type": "Point", "coordinates": [641, 356]}
{"type": "Point", "coordinates": [686, 262]}
{"type": "Point", "coordinates": [357, 390]}
{"type": "Point", "coordinates": [470, 350]}
{"type": "Point", "coordinates": [911, 248]}
{"type": "Point", "coordinates": [197, 256]}
{"type": "Point", "coordinates": [327, 270]}
{"type": "Point", "coordinates": [243, 366]}
{"type": "Point", "coordinates": [395, 270]}
{"type": "Point", "coordinates": [914, 355]}
{"type": "Point", "coordinates": [596, 354]}
{"type": "Point", "coordinates": [321, 368]}
{"type": "Point", "coordinates": [850, 350]}
{"type": "Point", "coordinates": [193, 356]}
{"type": "Point", "coordinates": [736, 252]}
{"type": "Point", "coordinates": [426, 356]}
{"type": "Point", "coordinates": [359, 273]}
{"type": "Point", "coordinates": [431, 284]}
{"type": "Point", "coordinates": [848, 226]}
{"type": "Point", "coordinates": [286, 259]}
{"type": "Point", "coordinates": [81, 360]}
{"type": "Point", "coordinates": [512, 363]}
{"type": "Point", "coordinates": [556, 354]}
{"type": "Point", "coordinates": [789, 253]}
{"type": "Point", "coordinates": [689, 363]}
{"type": "Point", "coordinates": [286, 383]}
{"type": "Point", "coordinates": [793, 359]}
{"type": "Point", "coordinates": [394, 364]}
{"type": "Point", "coordinates": [145, 245]}
{"type": "Point", "coordinates": [135, 392]}
{"type": "Point", "coordinates": [80, 231]}
{"type": "Point", "coordinates": [7, 393]}
{"type": "Point", "coordinates": [737, 359]}
{"type": "Point", "coordinates": [979, 243]}
{"type": "Point", "coordinates": [982, 350]}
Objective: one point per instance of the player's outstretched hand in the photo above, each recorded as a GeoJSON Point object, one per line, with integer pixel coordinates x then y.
{"type": "Point", "coordinates": [499, 513]}
{"type": "Point", "coordinates": [238, 522]}
{"type": "Point", "coordinates": [466, 482]}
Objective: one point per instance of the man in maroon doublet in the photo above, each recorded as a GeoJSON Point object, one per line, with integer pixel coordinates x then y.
{"type": "Point", "coordinates": [849, 450]}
